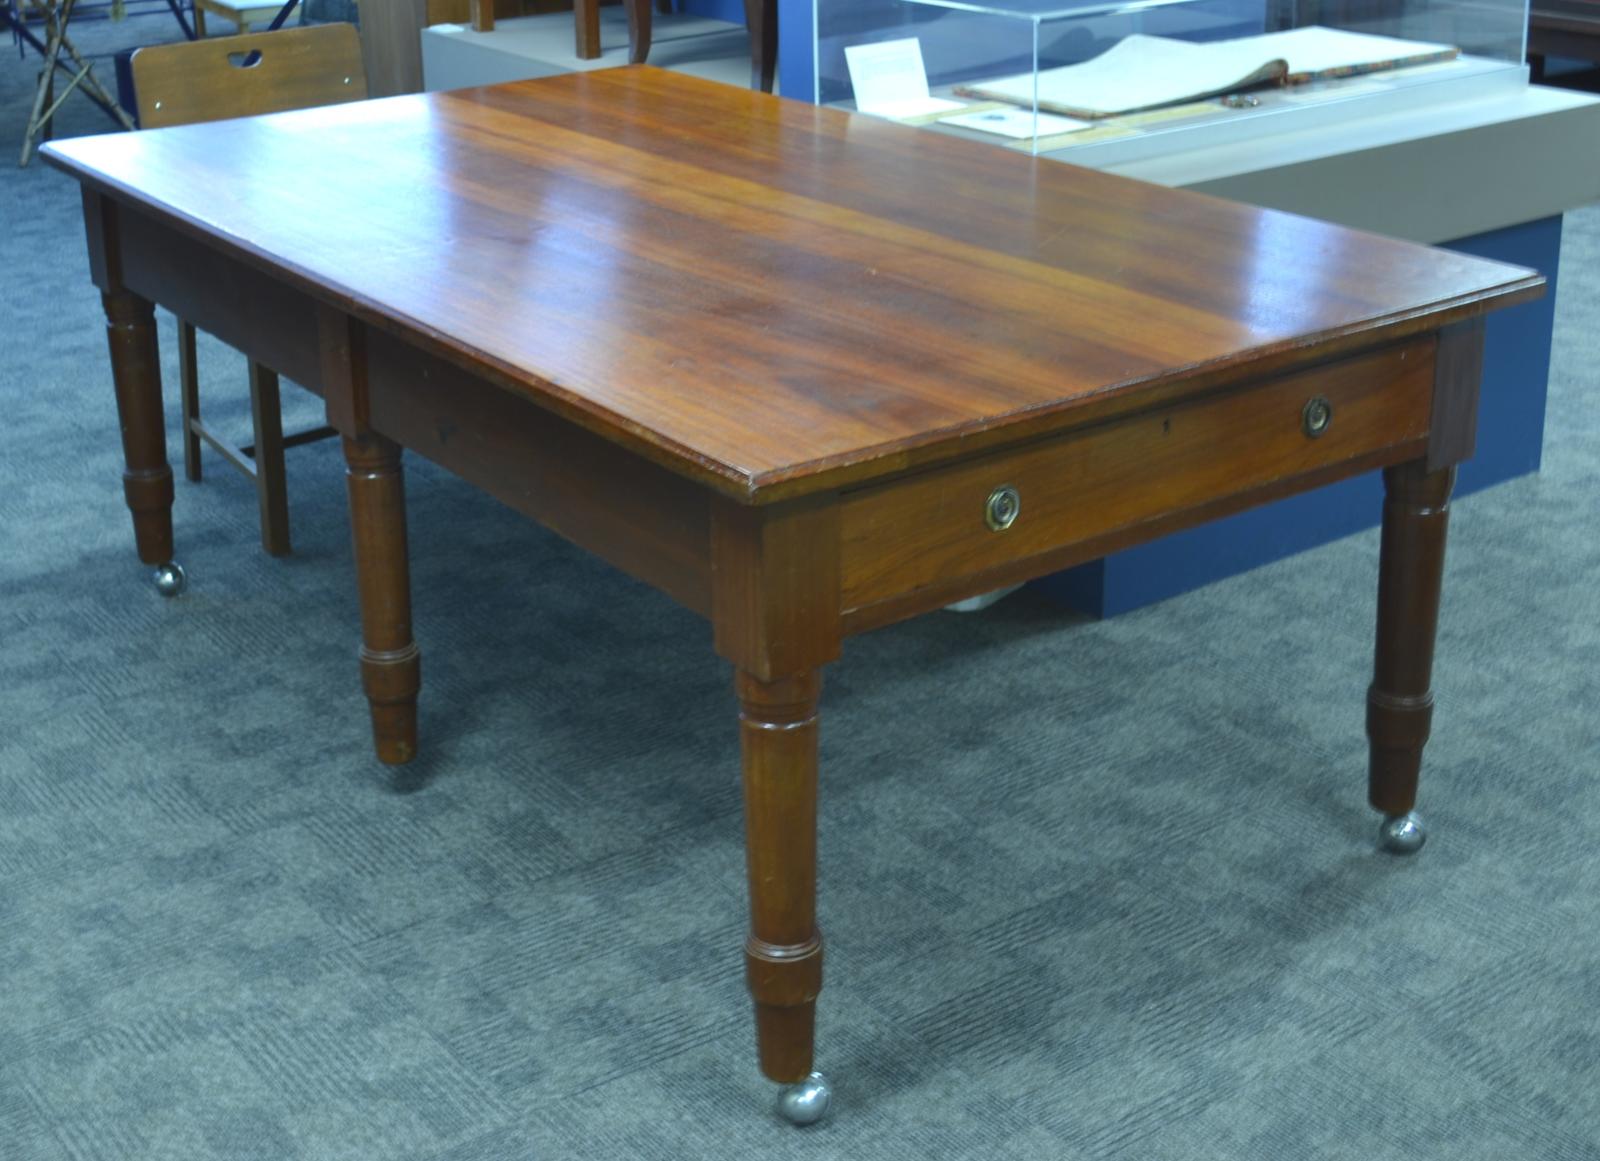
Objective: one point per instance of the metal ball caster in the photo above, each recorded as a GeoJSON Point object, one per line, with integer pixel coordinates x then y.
{"type": "Point", "coordinates": [171, 580]}
{"type": "Point", "coordinates": [1402, 834]}
{"type": "Point", "coordinates": [807, 1102]}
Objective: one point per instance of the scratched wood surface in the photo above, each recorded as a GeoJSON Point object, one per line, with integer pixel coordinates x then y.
{"type": "Point", "coordinates": [767, 296]}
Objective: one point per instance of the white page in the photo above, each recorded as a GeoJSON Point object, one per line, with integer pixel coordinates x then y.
{"type": "Point", "coordinates": [1315, 49]}
{"type": "Point", "coordinates": [1135, 73]}
{"type": "Point", "coordinates": [1142, 72]}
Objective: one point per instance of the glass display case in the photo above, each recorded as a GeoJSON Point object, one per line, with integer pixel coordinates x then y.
{"type": "Point", "coordinates": [1119, 77]}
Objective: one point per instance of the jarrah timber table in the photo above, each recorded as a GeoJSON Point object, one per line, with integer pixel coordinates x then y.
{"type": "Point", "coordinates": [808, 373]}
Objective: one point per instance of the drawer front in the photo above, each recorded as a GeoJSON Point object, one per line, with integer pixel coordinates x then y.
{"type": "Point", "coordinates": [953, 522]}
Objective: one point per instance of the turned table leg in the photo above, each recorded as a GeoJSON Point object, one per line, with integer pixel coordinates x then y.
{"type": "Point", "coordinates": [391, 665]}
{"type": "Point", "coordinates": [775, 616]}
{"type": "Point", "coordinates": [783, 953]}
{"type": "Point", "coordinates": [147, 477]}
{"type": "Point", "coordinates": [1416, 515]}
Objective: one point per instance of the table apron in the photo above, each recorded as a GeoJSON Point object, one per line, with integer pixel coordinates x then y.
{"type": "Point", "coordinates": [923, 541]}
{"type": "Point", "coordinates": [253, 312]}
{"type": "Point", "coordinates": [636, 515]}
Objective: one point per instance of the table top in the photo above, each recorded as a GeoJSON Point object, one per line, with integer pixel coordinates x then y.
{"type": "Point", "coordinates": [768, 296]}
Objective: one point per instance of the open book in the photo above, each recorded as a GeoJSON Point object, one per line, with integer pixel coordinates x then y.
{"type": "Point", "coordinates": [1142, 72]}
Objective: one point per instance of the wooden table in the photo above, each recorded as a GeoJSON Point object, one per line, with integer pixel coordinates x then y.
{"type": "Point", "coordinates": [808, 373]}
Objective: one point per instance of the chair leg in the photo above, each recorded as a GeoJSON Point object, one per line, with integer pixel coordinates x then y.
{"type": "Point", "coordinates": [189, 393]}
{"type": "Point", "coordinates": [640, 15]}
{"type": "Point", "coordinates": [586, 23]}
{"type": "Point", "coordinates": [272, 489]}
{"type": "Point", "coordinates": [761, 17]}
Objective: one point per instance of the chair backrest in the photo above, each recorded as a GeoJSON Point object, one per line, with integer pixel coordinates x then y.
{"type": "Point", "coordinates": [241, 76]}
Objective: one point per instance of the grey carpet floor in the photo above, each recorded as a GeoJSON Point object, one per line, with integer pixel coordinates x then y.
{"type": "Point", "coordinates": [1092, 890]}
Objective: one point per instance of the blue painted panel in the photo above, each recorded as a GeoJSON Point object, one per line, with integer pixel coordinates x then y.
{"type": "Point", "coordinates": [729, 10]}
{"type": "Point", "coordinates": [1510, 439]}
{"type": "Point", "coordinates": [1516, 358]}
{"type": "Point", "coordinates": [797, 64]}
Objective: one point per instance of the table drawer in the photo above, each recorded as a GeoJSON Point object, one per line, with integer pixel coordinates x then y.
{"type": "Point", "coordinates": [953, 522]}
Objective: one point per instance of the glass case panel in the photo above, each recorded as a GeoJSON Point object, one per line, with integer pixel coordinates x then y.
{"type": "Point", "coordinates": [1123, 76]}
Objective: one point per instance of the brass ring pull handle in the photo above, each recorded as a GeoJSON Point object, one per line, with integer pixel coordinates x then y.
{"type": "Point", "coordinates": [1316, 416]}
{"type": "Point", "coordinates": [1001, 509]}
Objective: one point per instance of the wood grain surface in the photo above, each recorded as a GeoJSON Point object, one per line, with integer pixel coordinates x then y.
{"type": "Point", "coordinates": [766, 296]}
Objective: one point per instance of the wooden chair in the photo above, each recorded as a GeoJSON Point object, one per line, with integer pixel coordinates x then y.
{"type": "Point", "coordinates": [242, 76]}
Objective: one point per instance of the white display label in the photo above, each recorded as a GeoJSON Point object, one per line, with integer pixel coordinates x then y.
{"type": "Point", "coordinates": [890, 79]}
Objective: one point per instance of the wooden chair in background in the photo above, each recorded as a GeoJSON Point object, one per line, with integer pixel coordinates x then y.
{"type": "Point", "coordinates": [242, 76]}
